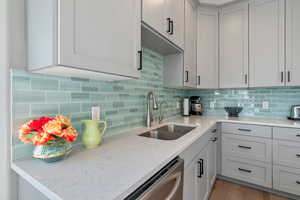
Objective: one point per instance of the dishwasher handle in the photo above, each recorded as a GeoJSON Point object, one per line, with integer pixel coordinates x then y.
{"type": "Point", "coordinates": [176, 176]}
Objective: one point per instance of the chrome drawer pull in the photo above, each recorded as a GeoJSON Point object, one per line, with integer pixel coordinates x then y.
{"type": "Point", "coordinates": [298, 135]}
{"type": "Point", "coordinates": [245, 170]}
{"type": "Point", "coordinates": [244, 147]}
{"type": "Point", "coordinates": [214, 131]}
{"type": "Point", "coordinates": [298, 155]}
{"type": "Point", "coordinates": [214, 139]}
{"type": "Point", "coordinates": [298, 182]}
{"type": "Point", "coordinates": [246, 130]}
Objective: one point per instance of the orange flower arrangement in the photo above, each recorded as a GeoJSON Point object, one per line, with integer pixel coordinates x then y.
{"type": "Point", "coordinates": [47, 130]}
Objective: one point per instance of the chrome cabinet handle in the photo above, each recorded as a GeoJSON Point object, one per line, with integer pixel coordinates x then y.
{"type": "Point", "coordinates": [298, 182]}
{"type": "Point", "coordinates": [199, 80]}
{"type": "Point", "coordinates": [246, 78]}
{"type": "Point", "coordinates": [246, 130]}
{"type": "Point", "coordinates": [282, 77]}
{"type": "Point", "coordinates": [298, 155]}
{"type": "Point", "coordinates": [214, 131]}
{"type": "Point", "coordinates": [298, 135]}
{"type": "Point", "coordinates": [244, 147]}
{"type": "Point", "coordinates": [245, 170]}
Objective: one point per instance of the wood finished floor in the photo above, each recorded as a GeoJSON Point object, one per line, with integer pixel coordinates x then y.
{"type": "Point", "coordinates": [224, 190]}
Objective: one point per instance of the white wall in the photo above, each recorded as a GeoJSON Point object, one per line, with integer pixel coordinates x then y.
{"type": "Point", "coordinates": [20, 189]}
{"type": "Point", "coordinates": [4, 102]}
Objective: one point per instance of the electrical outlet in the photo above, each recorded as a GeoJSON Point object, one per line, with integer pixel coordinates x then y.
{"type": "Point", "coordinates": [96, 113]}
{"type": "Point", "coordinates": [212, 104]}
{"type": "Point", "coordinates": [265, 105]}
{"type": "Point", "coordinates": [178, 104]}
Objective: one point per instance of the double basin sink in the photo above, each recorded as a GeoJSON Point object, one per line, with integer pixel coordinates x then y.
{"type": "Point", "coordinates": [168, 132]}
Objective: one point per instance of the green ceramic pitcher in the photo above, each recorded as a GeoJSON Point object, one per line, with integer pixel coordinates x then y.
{"type": "Point", "coordinates": [92, 135]}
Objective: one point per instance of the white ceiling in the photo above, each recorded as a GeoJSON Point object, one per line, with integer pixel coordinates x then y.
{"type": "Point", "coordinates": [215, 2]}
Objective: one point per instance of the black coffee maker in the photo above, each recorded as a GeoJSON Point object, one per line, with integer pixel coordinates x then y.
{"type": "Point", "coordinates": [196, 106]}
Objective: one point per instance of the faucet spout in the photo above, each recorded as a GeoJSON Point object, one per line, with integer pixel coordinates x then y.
{"type": "Point", "coordinates": [149, 118]}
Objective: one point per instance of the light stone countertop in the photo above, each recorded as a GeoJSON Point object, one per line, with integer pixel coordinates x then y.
{"type": "Point", "coordinates": [121, 164]}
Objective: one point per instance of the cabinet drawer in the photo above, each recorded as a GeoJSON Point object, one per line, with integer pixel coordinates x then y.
{"type": "Point", "coordinates": [286, 179]}
{"type": "Point", "coordinates": [258, 173]}
{"type": "Point", "coordinates": [259, 149]}
{"type": "Point", "coordinates": [245, 129]}
{"type": "Point", "coordinates": [287, 153]}
{"type": "Point", "coordinates": [292, 134]}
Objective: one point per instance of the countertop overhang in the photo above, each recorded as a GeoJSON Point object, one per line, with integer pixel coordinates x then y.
{"type": "Point", "coordinates": [121, 164]}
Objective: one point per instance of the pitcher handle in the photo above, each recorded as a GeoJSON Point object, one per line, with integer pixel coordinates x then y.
{"type": "Point", "coordinates": [105, 126]}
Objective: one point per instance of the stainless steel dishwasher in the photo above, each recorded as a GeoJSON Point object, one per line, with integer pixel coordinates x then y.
{"type": "Point", "coordinates": [167, 184]}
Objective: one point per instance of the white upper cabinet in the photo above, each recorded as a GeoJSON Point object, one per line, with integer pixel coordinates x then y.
{"type": "Point", "coordinates": [207, 48]}
{"type": "Point", "coordinates": [234, 46]}
{"type": "Point", "coordinates": [85, 36]}
{"type": "Point", "coordinates": [154, 14]}
{"type": "Point", "coordinates": [292, 42]}
{"type": "Point", "coordinates": [267, 65]}
{"type": "Point", "coordinates": [175, 11]}
{"type": "Point", "coordinates": [190, 44]}
{"type": "Point", "coordinates": [167, 18]}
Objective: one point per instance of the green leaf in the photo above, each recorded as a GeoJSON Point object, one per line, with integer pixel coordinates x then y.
{"type": "Point", "coordinates": [28, 136]}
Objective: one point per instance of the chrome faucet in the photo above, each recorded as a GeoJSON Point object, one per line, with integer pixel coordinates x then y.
{"type": "Point", "coordinates": [161, 114]}
{"type": "Point", "coordinates": [149, 118]}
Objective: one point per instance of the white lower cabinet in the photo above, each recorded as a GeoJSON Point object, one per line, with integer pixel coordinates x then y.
{"type": "Point", "coordinates": [286, 179]}
{"type": "Point", "coordinates": [259, 173]}
{"type": "Point", "coordinates": [212, 160]}
{"type": "Point", "coordinates": [259, 149]}
{"type": "Point", "coordinates": [264, 156]}
{"type": "Point", "coordinates": [202, 182]}
{"type": "Point", "coordinates": [247, 153]}
{"type": "Point", "coordinates": [200, 173]}
{"type": "Point", "coordinates": [286, 153]}
{"type": "Point", "coordinates": [196, 184]}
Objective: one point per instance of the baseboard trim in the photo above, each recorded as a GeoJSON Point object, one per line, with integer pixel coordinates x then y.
{"type": "Point", "coordinates": [279, 193]}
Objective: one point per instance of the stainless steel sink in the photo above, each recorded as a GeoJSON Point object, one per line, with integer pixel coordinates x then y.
{"type": "Point", "coordinates": [168, 132]}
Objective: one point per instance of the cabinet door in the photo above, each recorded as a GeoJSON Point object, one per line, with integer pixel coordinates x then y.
{"type": "Point", "coordinates": [175, 11]}
{"type": "Point", "coordinates": [234, 46]}
{"type": "Point", "coordinates": [293, 42]}
{"type": "Point", "coordinates": [286, 179]}
{"type": "Point", "coordinates": [102, 36]}
{"type": "Point", "coordinates": [154, 15]}
{"type": "Point", "coordinates": [207, 48]}
{"type": "Point", "coordinates": [190, 177]}
{"type": "Point", "coordinates": [202, 185]}
{"type": "Point", "coordinates": [190, 45]}
{"type": "Point", "coordinates": [267, 43]}
{"type": "Point", "coordinates": [212, 161]}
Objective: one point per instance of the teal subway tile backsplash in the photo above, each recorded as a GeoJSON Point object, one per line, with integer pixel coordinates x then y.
{"type": "Point", "coordinates": [122, 103]}
{"type": "Point", "coordinates": [44, 84]}
{"type": "Point", "coordinates": [44, 109]}
{"type": "Point", "coordinates": [280, 101]}
{"type": "Point", "coordinates": [28, 96]}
